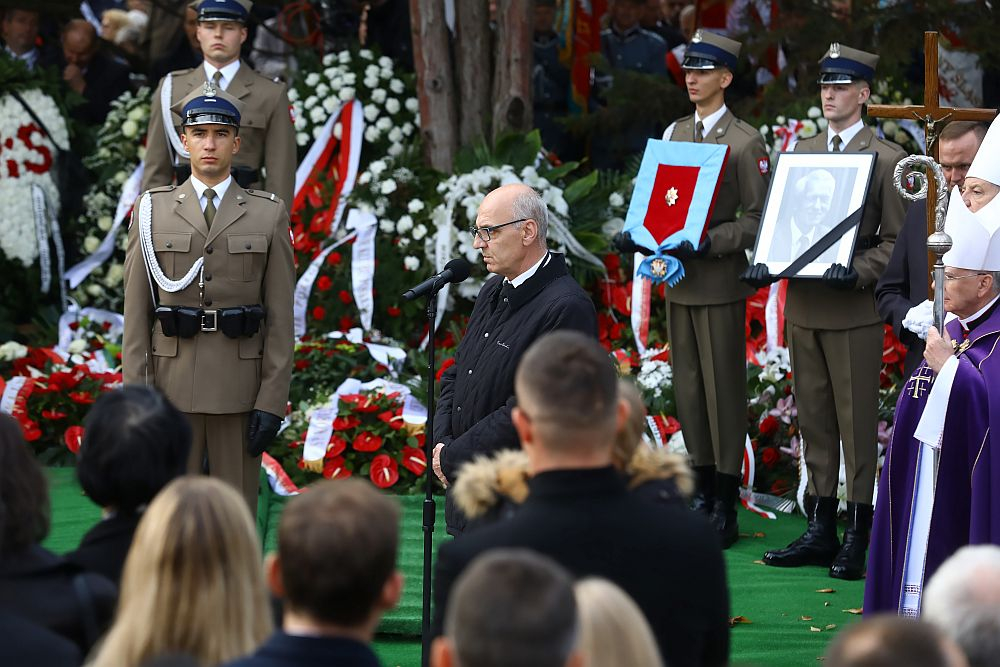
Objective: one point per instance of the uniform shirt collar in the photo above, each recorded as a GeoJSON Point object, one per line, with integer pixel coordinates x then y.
{"type": "Point", "coordinates": [711, 119]}
{"type": "Point", "coordinates": [970, 321]}
{"type": "Point", "coordinates": [220, 191]}
{"type": "Point", "coordinates": [846, 135]}
{"type": "Point", "coordinates": [228, 72]}
{"type": "Point", "coordinates": [520, 280]}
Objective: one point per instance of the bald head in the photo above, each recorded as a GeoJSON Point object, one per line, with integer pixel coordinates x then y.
{"type": "Point", "coordinates": [512, 223]}
{"type": "Point", "coordinates": [79, 42]}
{"type": "Point", "coordinates": [815, 196]}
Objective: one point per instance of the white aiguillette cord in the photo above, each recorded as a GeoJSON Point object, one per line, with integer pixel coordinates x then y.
{"type": "Point", "coordinates": [149, 254]}
{"type": "Point", "coordinates": [168, 121]}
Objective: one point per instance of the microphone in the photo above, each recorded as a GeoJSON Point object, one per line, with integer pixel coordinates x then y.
{"type": "Point", "coordinates": [455, 271]}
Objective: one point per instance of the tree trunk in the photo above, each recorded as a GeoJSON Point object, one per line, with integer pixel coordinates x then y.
{"type": "Point", "coordinates": [512, 76]}
{"type": "Point", "coordinates": [435, 82]}
{"type": "Point", "coordinates": [472, 51]}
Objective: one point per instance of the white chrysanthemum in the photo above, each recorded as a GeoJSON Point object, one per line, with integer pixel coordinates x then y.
{"type": "Point", "coordinates": [311, 102]}
{"type": "Point", "coordinates": [385, 61]}
{"type": "Point", "coordinates": [383, 124]}
{"type": "Point", "coordinates": [615, 199]}
{"type": "Point", "coordinates": [317, 131]}
{"type": "Point", "coordinates": [318, 115]}
{"type": "Point", "coordinates": [385, 73]}
{"type": "Point", "coordinates": [346, 93]}
{"type": "Point", "coordinates": [388, 186]}
{"type": "Point", "coordinates": [411, 263]}
{"type": "Point", "coordinates": [113, 277]}
{"type": "Point", "coordinates": [312, 79]}
{"type": "Point", "coordinates": [12, 350]}
{"type": "Point", "coordinates": [407, 129]}
{"type": "Point", "coordinates": [763, 129]}
{"type": "Point", "coordinates": [90, 244]}
{"type": "Point", "coordinates": [301, 138]}
{"type": "Point", "coordinates": [300, 120]}
{"type": "Point", "coordinates": [137, 113]}
{"type": "Point", "coordinates": [329, 59]}
{"type": "Point", "coordinates": [419, 232]}
{"type": "Point", "coordinates": [392, 105]}
{"type": "Point", "coordinates": [412, 105]}
{"type": "Point", "coordinates": [397, 86]}
{"type": "Point", "coordinates": [94, 290]}
{"type": "Point", "coordinates": [344, 57]}
{"type": "Point", "coordinates": [403, 242]}
{"type": "Point", "coordinates": [322, 90]}
{"type": "Point", "coordinates": [104, 223]}
{"type": "Point", "coordinates": [404, 225]}
{"type": "Point", "coordinates": [814, 112]}
{"type": "Point", "coordinates": [378, 95]}
{"type": "Point", "coordinates": [395, 150]}
{"type": "Point", "coordinates": [371, 72]}
{"type": "Point", "coordinates": [415, 206]}
{"type": "Point", "coordinates": [365, 178]}
{"type": "Point", "coordinates": [370, 82]}
{"type": "Point", "coordinates": [371, 112]}
{"type": "Point", "coordinates": [130, 129]}
{"type": "Point", "coordinates": [809, 129]}
{"type": "Point", "coordinates": [377, 167]}
{"type": "Point", "coordinates": [350, 78]}
{"type": "Point", "coordinates": [395, 135]}
{"type": "Point", "coordinates": [387, 227]}
{"type": "Point", "coordinates": [372, 134]}
{"type": "Point", "coordinates": [366, 54]}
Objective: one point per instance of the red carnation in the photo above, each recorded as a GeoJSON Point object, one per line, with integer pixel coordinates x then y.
{"type": "Point", "coordinates": [73, 437]}
{"type": "Point", "coordinates": [336, 446]}
{"type": "Point", "coordinates": [768, 425]}
{"type": "Point", "coordinates": [366, 441]}
{"type": "Point", "coordinates": [414, 460]}
{"type": "Point", "coordinates": [333, 259]}
{"type": "Point", "coordinates": [336, 468]}
{"type": "Point", "coordinates": [345, 423]}
{"type": "Point", "coordinates": [302, 364]}
{"type": "Point", "coordinates": [393, 311]}
{"type": "Point", "coordinates": [384, 471]}
{"type": "Point", "coordinates": [346, 322]}
{"type": "Point", "coordinates": [345, 296]}
{"type": "Point", "coordinates": [323, 283]}
{"type": "Point", "coordinates": [319, 313]}
{"type": "Point", "coordinates": [770, 456]}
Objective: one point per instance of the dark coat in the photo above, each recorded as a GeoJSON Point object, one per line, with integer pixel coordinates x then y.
{"type": "Point", "coordinates": [50, 591]}
{"type": "Point", "coordinates": [477, 393]}
{"type": "Point", "coordinates": [667, 558]}
{"type": "Point", "coordinates": [27, 644]}
{"type": "Point", "coordinates": [283, 650]}
{"type": "Point", "coordinates": [104, 548]}
{"type": "Point", "coordinates": [107, 78]}
{"type": "Point", "coordinates": [903, 285]}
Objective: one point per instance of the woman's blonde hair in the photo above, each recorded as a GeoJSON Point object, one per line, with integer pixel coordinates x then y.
{"type": "Point", "coordinates": [613, 630]}
{"type": "Point", "coordinates": [629, 436]}
{"type": "Point", "coordinates": [193, 581]}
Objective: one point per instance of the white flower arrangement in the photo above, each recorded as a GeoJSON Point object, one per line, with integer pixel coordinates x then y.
{"type": "Point", "coordinates": [384, 92]}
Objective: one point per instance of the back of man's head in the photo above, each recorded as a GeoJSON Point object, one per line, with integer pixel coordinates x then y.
{"type": "Point", "coordinates": [963, 600]}
{"type": "Point", "coordinates": [889, 641]}
{"type": "Point", "coordinates": [337, 546]}
{"type": "Point", "coordinates": [510, 607]}
{"type": "Point", "coordinates": [567, 388]}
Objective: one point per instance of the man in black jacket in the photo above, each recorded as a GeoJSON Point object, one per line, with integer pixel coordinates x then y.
{"type": "Point", "coordinates": [531, 294]}
{"type": "Point", "coordinates": [903, 285]}
{"type": "Point", "coordinates": [580, 513]}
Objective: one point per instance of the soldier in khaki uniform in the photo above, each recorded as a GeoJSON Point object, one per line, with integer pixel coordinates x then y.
{"type": "Point", "coordinates": [835, 334]}
{"type": "Point", "coordinates": [268, 157]}
{"type": "Point", "coordinates": [707, 309]}
{"type": "Point", "coordinates": [209, 277]}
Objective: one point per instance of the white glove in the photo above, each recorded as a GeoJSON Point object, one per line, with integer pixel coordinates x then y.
{"type": "Point", "coordinates": [920, 318]}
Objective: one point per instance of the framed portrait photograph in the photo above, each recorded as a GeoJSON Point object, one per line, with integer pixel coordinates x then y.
{"type": "Point", "coordinates": [810, 197]}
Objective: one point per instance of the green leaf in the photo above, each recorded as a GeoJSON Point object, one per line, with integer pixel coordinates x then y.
{"type": "Point", "coordinates": [563, 170]}
{"type": "Point", "coordinates": [518, 150]}
{"type": "Point", "coordinates": [579, 189]}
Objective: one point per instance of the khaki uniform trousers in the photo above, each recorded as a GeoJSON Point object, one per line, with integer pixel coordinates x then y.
{"type": "Point", "coordinates": [223, 438]}
{"type": "Point", "coordinates": [836, 378]}
{"type": "Point", "coordinates": [708, 355]}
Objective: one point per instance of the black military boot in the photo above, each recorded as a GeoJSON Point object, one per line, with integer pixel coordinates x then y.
{"type": "Point", "coordinates": [818, 545]}
{"type": "Point", "coordinates": [723, 516]}
{"type": "Point", "coordinates": [703, 499]}
{"type": "Point", "coordinates": [850, 562]}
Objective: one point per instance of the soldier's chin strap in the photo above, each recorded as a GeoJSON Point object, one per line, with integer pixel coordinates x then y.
{"type": "Point", "coordinates": [153, 269]}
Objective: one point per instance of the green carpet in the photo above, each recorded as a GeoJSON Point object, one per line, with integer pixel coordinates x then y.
{"type": "Point", "coordinates": [773, 602]}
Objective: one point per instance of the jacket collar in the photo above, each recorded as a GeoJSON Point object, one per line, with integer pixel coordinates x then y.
{"type": "Point", "coordinates": [529, 289]}
{"type": "Point", "coordinates": [186, 206]}
{"type": "Point", "coordinates": [576, 483]}
{"type": "Point", "coordinates": [231, 208]}
{"type": "Point", "coordinates": [319, 650]}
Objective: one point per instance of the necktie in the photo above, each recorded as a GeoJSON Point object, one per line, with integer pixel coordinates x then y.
{"type": "Point", "coordinates": [217, 79]}
{"type": "Point", "coordinates": [699, 131]}
{"type": "Point", "coordinates": [836, 141]}
{"type": "Point", "coordinates": [210, 206]}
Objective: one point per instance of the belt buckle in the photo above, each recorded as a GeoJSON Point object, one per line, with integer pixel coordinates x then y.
{"type": "Point", "coordinates": [209, 321]}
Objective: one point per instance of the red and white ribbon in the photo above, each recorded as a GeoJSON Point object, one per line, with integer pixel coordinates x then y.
{"type": "Point", "coordinates": [746, 490]}
{"type": "Point", "coordinates": [279, 480]}
{"type": "Point", "coordinates": [642, 289]}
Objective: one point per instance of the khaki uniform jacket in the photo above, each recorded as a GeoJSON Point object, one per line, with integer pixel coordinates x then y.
{"type": "Point", "coordinates": [248, 260]}
{"type": "Point", "coordinates": [265, 126]}
{"type": "Point", "coordinates": [812, 304]}
{"type": "Point", "coordinates": [735, 218]}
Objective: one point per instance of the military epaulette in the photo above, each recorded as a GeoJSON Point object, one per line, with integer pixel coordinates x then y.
{"type": "Point", "coordinates": [745, 127]}
{"type": "Point", "coordinates": [684, 119]}
{"type": "Point", "coordinates": [162, 188]}
{"type": "Point", "coordinates": [270, 196]}
{"type": "Point", "coordinates": [181, 72]}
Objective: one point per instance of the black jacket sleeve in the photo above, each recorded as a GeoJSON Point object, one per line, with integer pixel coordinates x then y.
{"type": "Point", "coordinates": [893, 295]}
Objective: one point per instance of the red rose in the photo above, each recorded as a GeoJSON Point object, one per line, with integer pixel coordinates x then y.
{"type": "Point", "coordinates": [73, 437]}
{"type": "Point", "coordinates": [319, 313]}
{"type": "Point", "coordinates": [768, 425]}
{"type": "Point", "coordinates": [392, 419]}
{"type": "Point", "coordinates": [333, 259]}
{"type": "Point", "coordinates": [393, 311]}
{"type": "Point", "coordinates": [302, 364]}
{"type": "Point", "coordinates": [366, 441]}
{"type": "Point", "coordinates": [335, 468]}
{"type": "Point", "coordinates": [414, 460]}
{"type": "Point", "coordinates": [384, 471]}
{"type": "Point", "coordinates": [345, 296]}
{"type": "Point", "coordinates": [323, 283]}
{"type": "Point", "coordinates": [345, 423]}
{"type": "Point", "coordinates": [770, 456]}
{"type": "Point", "coordinates": [336, 446]}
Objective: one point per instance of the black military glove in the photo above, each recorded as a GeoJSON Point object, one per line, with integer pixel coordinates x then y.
{"type": "Point", "coordinates": [261, 430]}
{"type": "Point", "coordinates": [623, 243]}
{"type": "Point", "coordinates": [686, 251]}
{"type": "Point", "coordinates": [840, 277]}
{"type": "Point", "coordinates": [758, 276]}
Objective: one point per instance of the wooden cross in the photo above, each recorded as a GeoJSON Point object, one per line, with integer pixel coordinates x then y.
{"type": "Point", "coordinates": [932, 115]}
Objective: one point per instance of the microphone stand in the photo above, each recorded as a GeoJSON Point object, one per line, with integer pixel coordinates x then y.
{"type": "Point", "coordinates": [430, 509]}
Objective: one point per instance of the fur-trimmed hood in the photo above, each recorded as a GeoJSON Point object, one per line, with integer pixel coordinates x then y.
{"type": "Point", "coordinates": [485, 483]}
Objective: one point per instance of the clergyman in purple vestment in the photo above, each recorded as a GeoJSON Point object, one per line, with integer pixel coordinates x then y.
{"type": "Point", "coordinates": [920, 519]}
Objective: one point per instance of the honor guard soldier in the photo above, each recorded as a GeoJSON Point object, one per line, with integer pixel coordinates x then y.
{"type": "Point", "coordinates": [707, 309]}
{"type": "Point", "coordinates": [835, 334]}
{"type": "Point", "coordinates": [209, 277]}
{"type": "Point", "coordinates": [268, 156]}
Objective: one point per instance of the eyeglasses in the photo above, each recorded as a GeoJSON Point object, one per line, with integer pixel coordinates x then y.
{"type": "Point", "coordinates": [948, 277]}
{"type": "Point", "coordinates": [485, 234]}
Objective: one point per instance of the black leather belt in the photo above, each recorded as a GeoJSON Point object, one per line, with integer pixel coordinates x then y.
{"type": "Point", "coordinates": [186, 322]}
{"type": "Point", "coordinates": [244, 176]}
